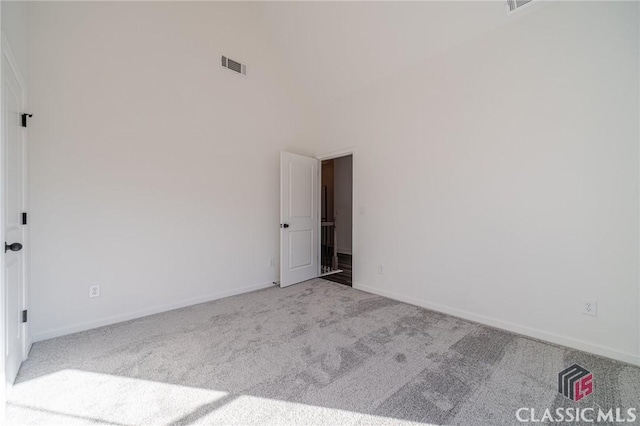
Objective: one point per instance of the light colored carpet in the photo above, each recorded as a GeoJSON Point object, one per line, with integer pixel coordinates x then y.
{"type": "Point", "coordinates": [314, 353]}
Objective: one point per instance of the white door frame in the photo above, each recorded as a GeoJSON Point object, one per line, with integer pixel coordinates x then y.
{"type": "Point", "coordinates": [10, 58]}
{"type": "Point", "coordinates": [3, 339]}
{"type": "Point", "coordinates": [354, 217]}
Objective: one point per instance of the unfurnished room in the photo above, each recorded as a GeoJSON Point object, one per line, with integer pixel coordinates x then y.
{"type": "Point", "coordinates": [320, 212]}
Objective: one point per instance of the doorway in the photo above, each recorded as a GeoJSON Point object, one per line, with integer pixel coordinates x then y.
{"type": "Point", "coordinates": [336, 210]}
{"type": "Point", "coordinates": [316, 218]}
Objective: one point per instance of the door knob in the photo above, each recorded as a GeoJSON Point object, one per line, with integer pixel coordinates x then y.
{"type": "Point", "coordinates": [285, 225]}
{"type": "Point", "coordinates": [12, 247]}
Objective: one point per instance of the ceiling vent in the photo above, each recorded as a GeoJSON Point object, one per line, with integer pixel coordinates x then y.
{"type": "Point", "coordinates": [513, 5]}
{"type": "Point", "coordinates": [234, 65]}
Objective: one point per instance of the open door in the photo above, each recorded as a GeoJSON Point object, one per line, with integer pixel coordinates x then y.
{"type": "Point", "coordinates": [13, 203]}
{"type": "Point", "coordinates": [299, 221]}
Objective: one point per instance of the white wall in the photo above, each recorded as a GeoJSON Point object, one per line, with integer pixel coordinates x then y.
{"type": "Point", "coordinates": [510, 185]}
{"type": "Point", "coordinates": [513, 193]}
{"type": "Point", "coordinates": [343, 200]}
{"type": "Point", "coordinates": [154, 171]}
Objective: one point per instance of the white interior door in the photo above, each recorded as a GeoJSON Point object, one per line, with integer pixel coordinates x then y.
{"type": "Point", "coordinates": [299, 221]}
{"type": "Point", "coordinates": [13, 205]}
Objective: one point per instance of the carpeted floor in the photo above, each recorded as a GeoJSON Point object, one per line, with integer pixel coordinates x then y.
{"type": "Point", "coordinates": [313, 353]}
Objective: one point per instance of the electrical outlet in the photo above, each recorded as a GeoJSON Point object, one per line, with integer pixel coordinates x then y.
{"type": "Point", "coordinates": [272, 262]}
{"type": "Point", "coordinates": [94, 291]}
{"type": "Point", "coordinates": [590, 307]}
{"type": "Point", "coordinates": [380, 269]}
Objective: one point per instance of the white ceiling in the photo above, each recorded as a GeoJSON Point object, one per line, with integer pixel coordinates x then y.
{"type": "Point", "coordinates": [334, 48]}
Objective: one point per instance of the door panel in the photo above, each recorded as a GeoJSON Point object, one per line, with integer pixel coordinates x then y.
{"type": "Point", "coordinates": [298, 218]}
{"type": "Point", "coordinates": [13, 276]}
{"type": "Point", "coordinates": [301, 181]}
{"type": "Point", "coordinates": [13, 187]}
{"type": "Point", "coordinates": [303, 255]}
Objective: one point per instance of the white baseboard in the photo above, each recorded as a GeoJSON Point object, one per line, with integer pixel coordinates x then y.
{"type": "Point", "coordinates": [75, 328]}
{"type": "Point", "coordinates": [509, 326]}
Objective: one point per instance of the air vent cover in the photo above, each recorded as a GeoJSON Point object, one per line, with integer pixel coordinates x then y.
{"type": "Point", "coordinates": [234, 65]}
{"type": "Point", "coordinates": [512, 5]}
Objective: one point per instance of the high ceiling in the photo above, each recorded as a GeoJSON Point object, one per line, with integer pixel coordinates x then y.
{"type": "Point", "coordinates": [334, 48]}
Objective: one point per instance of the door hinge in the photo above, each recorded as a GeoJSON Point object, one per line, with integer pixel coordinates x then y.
{"type": "Point", "coordinates": [24, 119]}
{"type": "Point", "coordinates": [24, 316]}
{"type": "Point", "coordinates": [24, 218]}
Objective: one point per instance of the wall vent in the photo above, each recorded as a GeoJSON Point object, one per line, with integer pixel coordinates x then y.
{"type": "Point", "coordinates": [513, 5]}
{"type": "Point", "coordinates": [234, 65]}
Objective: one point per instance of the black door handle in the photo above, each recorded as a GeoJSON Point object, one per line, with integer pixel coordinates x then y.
{"type": "Point", "coordinates": [12, 247]}
{"type": "Point", "coordinates": [285, 225]}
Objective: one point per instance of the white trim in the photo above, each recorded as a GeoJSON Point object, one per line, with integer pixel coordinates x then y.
{"type": "Point", "coordinates": [509, 326]}
{"type": "Point", "coordinates": [88, 325]}
{"type": "Point", "coordinates": [337, 153]}
{"type": "Point", "coordinates": [3, 379]}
